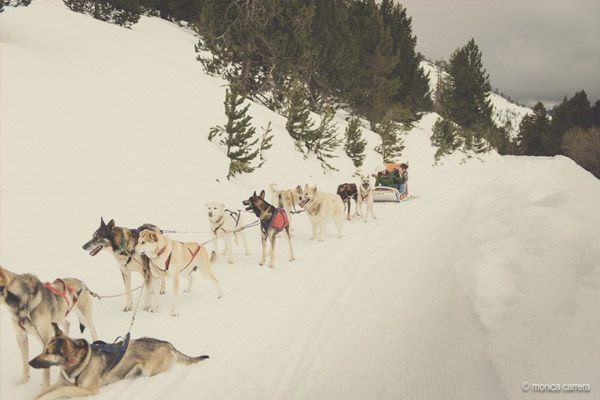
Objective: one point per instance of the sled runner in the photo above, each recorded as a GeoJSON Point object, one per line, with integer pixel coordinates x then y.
{"type": "Point", "coordinates": [387, 194]}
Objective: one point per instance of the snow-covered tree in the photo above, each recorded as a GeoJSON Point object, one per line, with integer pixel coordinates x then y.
{"type": "Point", "coordinates": [391, 145]}
{"type": "Point", "coordinates": [237, 135]}
{"type": "Point", "coordinates": [354, 144]}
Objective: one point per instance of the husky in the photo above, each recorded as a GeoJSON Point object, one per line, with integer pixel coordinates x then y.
{"type": "Point", "coordinates": [365, 195]}
{"type": "Point", "coordinates": [288, 199]}
{"type": "Point", "coordinates": [84, 369]}
{"type": "Point", "coordinates": [174, 259]}
{"type": "Point", "coordinates": [120, 242]}
{"type": "Point", "coordinates": [33, 306]}
{"type": "Point", "coordinates": [347, 192]}
{"type": "Point", "coordinates": [272, 221]}
{"type": "Point", "coordinates": [321, 208]}
{"type": "Point", "coordinates": [226, 223]}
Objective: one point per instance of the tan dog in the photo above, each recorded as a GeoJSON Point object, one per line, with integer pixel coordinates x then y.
{"type": "Point", "coordinates": [365, 196]}
{"type": "Point", "coordinates": [84, 370]}
{"type": "Point", "coordinates": [174, 259]}
{"type": "Point", "coordinates": [33, 306]}
{"type": "Point", "coordinates": [288, 199]}
{"type": "Point", "coordinates": [322, 208]}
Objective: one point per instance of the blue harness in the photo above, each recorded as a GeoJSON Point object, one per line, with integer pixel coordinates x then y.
{"type": "Point", "coordinates": [117, 349]}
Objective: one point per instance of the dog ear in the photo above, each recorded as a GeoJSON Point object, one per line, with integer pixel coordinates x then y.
{"type": "Point", "coordinates": [222, 205]}
{"type": "Point", "coordinates": [262, 194]}
{"type": "Point", "coordinates": [205, 204]}
{"type": "Point", "coordinates": [299, 189]}
{"type": "Point", "coordinates": [57, 331]}
{"type": "Point", "coordinates": [153, 237]}
{"type": "Point", "coordinates": [111, 224]}
{"type": "Point", "coordinates": [254, 194]}
{"type": "Point", "coordinates": [102, 223]}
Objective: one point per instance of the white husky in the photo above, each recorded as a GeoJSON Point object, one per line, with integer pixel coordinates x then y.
{"type": "Point", "coordinates": [322, 208]}
{"type": "Point", "coordinates": [224, 224]}
{"type": "Point", "coordinates": [365, 195]}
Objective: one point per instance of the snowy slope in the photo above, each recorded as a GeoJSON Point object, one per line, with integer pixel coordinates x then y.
{"type": "Point", "coordinates": [504, 112]}
{"type": "Point", "coordinates": [490, 278]}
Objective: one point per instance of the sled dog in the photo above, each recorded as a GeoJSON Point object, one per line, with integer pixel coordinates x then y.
{"type": "Point", "coordinates": [321, 208]}
{"type": "Point", "coordinates": [224, 224]}
{"type": "Point", "coordinates": [347, 192]}
{"type": "Point", "coordinates": [33, 306]}
{"type": "Point", "coordinates": [84, 370]}
{"type": "Point", "coordinates": [120, 242]}
{"type": "Point", "coordinates": [288, 199]}
{"type": "Point", "coordinates": [272, 221]}
{"type": "Point", "coordinates": [365, 196]}
{"type": "Point", "coordinates": [174, 259]}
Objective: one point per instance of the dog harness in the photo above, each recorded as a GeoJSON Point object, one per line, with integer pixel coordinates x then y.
{"type": "Point", "coordinates": [63, 294]}
{"type": "Point", "coordinates": [232, 214]}
{"type": "Point", "coordinates": [279, 221]}
{"type": "Point", "coordinates": [168, 260]}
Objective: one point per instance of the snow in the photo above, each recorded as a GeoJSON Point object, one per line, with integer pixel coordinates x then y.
{"type": "Point", "coordinates": [490, 278]}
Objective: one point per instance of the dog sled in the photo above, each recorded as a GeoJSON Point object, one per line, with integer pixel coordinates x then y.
{"type": "Point", "coordinates": [384, 194]}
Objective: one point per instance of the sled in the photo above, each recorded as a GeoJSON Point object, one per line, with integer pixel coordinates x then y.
{"type": "Point", "coordinates": [386, 194]}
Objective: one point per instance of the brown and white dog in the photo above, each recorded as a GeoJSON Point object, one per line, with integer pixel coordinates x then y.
{"type": "Point", "coordinates": [33, 306]}
{"type": "Point", "coordinates": [272, 221]}
{"type": "Point", "coordinates": [175, 259]}
{"type": "Point", "coordinates": [322, 208]}
{"type": "Point", "coordinates": [85, 369]}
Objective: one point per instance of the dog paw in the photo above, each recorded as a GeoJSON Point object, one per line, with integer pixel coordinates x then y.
{"type": "Point", "coordinates": [271, 266]}
{"type": "Point", "coordinates": [320, 240]}
{"type": "Point", "coordinates": [174, 314]}
{"type": "Point", "coordinates": [24, 379]}
{"type": "Point", "coordinates": [162, 292]}
{"type": "Point", "coordinates": [230, 262]}
{"type": "Point", "coordinates": [127, 308]}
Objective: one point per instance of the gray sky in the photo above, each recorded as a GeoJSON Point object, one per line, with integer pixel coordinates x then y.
{"type": "Point", "coordinates": [532, 49]}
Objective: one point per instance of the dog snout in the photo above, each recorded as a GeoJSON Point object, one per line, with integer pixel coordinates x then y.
{"type": "Point", "coordinates": [36, 363]}
{"type": "Point", "coordinates": [210, 214]}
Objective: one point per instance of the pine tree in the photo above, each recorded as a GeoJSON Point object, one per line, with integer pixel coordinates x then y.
{"type": "Point", "coordinates": [355, 145]}
{"type": "Point", "coordinates": [265, 143]}
{"type": "Point", "coordinates": [534, 133]}
{"type": "Point", "coordinates": [121, 12]}
{"type": "Point", "coordinates": [299, 125]}
{"type": "Point", "coordinates": [391, 144]}
{"type": "Point", "coordinates": [238, 135]}
{"type": "Point", "coordinates": [445, 137]}
{"type": "Point", "coordinates": [595, 118]}
{"type": "Point", "coordinates": [466, 90]}
{"type": "Point", "coordinates": [323, 140]}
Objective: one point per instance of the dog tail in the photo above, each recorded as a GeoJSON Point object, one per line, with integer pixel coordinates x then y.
{"type": "Point", "coordinates": [81, 327]}
{"type": "Point", "coordinates": [187, 360]}
{"type": "Point", "coordinates": [213, 256]}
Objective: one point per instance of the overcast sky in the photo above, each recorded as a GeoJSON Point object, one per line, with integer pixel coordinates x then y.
{"type": "Point", "coordinates": [532, 49]}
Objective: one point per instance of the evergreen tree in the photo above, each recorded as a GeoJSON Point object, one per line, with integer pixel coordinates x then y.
{"type": "Point", "coordinates": [237, 135]}
{"type": "Point", "coordinates": [595, 118]}
{"type": "Point", "coordinates": [583, 146]}
{"type": "Point", "coordinates": [391, 145]}
{"type": "Point", "coordinates": [324, 141]}
{"type": "Point", "coordinates": [534, 133]}
{"type": "Point", "coordinates": [465, 95]}
{"type": "Point", "coordinates": [299, 125]}
{"type": "Point", "coordinates": [375, 86]}
{"type": "Point", "coordinates": [355, 145]}
{"type": "Point", "coordinates": [121, 12]}
{"type": "Point", "coordinates": [445, 137]}
{"type": "Point", "coordinates": [413, 88]}
{"type": "Point", "coordinates": [265, 143]}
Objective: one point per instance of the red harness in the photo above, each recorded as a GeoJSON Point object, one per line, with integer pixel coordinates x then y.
{"type": "Point", "coordinates": [192, 253]}
{"type": "Point", "coordinates": [280, 221]}
{"type": "Point", "coordinates": [63, 294]}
